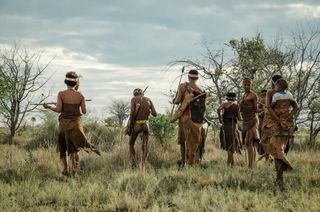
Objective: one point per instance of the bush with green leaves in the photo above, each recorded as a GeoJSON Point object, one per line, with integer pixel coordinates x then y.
{"type": "Point", "coordinates": [162, 129]}
{"type": "Point", "coordinates": [105, 137]}
{"type": "Point", "coordinates": [47, 134]}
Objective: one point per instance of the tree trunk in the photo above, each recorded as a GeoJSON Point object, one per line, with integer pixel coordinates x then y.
{"type": "Point", "coordinates": [12, 134]}
{"type": "Point", "coordinates": [313, 136]}
{"type": "Point", "coordinates": [311, 131]}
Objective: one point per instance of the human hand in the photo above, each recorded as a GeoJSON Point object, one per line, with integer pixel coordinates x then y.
{"type": "Point", "coordinates": [45, 105]}
{"type": "Point", "coordinates": [283, 124]}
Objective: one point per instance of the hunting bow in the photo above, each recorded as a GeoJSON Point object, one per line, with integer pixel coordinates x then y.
{"type": "Point", "coordinates": [173, 106]}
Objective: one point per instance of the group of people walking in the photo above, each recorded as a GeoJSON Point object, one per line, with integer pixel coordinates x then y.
{"type": "Point", "coordinates": [269, 132]}
{"type": "Point", "coordinates": [267, 121]}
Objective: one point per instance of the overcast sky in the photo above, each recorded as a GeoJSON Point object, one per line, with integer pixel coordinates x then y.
{"type": "Point", "coordinates": [118, 45]}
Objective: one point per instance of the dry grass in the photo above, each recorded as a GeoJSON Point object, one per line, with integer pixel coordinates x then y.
{"type": "Point", "coordinates": [30, 179]}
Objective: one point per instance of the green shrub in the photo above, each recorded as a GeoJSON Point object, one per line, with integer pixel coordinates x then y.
{"type": "Point", "coordinates": [47, 134]}
{"type": "Point", "coordinates": [162, 129]}
{"type": "Point", "coordinates": [103, 136]}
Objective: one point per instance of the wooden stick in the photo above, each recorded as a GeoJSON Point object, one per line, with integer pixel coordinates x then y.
{"type": "Point", "coordinates": [54, 103]}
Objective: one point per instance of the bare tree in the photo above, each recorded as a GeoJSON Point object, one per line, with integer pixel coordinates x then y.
{"type": "Point", "coordinates": [304, 76]}
{"type": "Point", "coordinates": [250, 57]}
{"type": "Point", "coordinates": [120, 109]}
{"type": "Point", "coordinates": [24, 76]}
{"type": "Point", "coordinates": [297, 60]}
{"type": "Point", "coordinates": [214, 69]}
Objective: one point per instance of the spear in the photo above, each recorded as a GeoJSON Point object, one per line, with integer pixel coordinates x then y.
{"type": "Point", "coordinates": [145, 89]}
{"type": "Point", "coordinates": [173, 106]}
{"type": "Point", "coordinates": [54, 103]}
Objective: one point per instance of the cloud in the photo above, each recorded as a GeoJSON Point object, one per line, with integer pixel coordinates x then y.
{"type": "Point", "coordinates": [304, 11]}
{"type": "Point", "coordinates": [104, 82]}
{"type": "Point", "coordinates": [119, 45]}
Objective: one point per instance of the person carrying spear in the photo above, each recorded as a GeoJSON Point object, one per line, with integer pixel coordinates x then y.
{"type": "Point", "coordinates": [71, 133]}
{"type": "Point", "coordinates": [141, 107]}
{"type": "Point", "coordinates": [191, 100]}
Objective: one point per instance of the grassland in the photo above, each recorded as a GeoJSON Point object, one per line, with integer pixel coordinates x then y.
{"type": "Point", "coordinates": [30, 180]}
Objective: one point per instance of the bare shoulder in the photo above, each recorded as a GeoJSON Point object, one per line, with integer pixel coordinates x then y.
{"type": "Point", "coordinates": [223, 105]}
{"type": "Point", "coordinates": [254, 95]}
{"type": "Point", "coordinates": [62, 93]}
{"type": "Point", "coordinates": [80, 94]}
{"type": "Point", "coordinates": [183, 86]}
{"type": "Point", "coordinates": [147, 98]}
{"type": "Point", "coordinates": [270, 92]}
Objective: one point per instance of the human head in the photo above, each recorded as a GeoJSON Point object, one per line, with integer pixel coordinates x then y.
{"type": "Point", "coordinates": [231, 96]}
{"type": "Point", "coordinates": [193, 75]}
{"type": "Point", "coordinates": [263, 93]}
{"type": "Point", "coordinates": [247, 84]}
{"type": "Point", "coordinates": [71, 79]}
{"type": "Point", "coordinates": [275, 78]}
{"type": "Point", "coordinates": [281, 85]}
{"type": "Point", "coordinates": [137, 92]}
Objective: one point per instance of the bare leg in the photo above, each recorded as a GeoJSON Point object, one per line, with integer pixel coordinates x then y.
{"type": "Point", "coordinates": [251, 151]}
{"type": "Point", "coordinates": [132, 140]}
{"type": "Point", "coordinates": [191, 159]}
{"type": "Point", "coordinates": [144, 148]}
{"type": "Point", "coordinates": [183, 154]}
{"type": "Point", "coordinates": [230, 158]}
{"type": "Point", "coordinates": [279, 170]}
{"type": "Point", "coordinates": [75, 163]}
{"type": "Point", "coordinates": [65, 164]}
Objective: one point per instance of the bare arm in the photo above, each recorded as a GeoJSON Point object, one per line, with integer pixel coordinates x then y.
{"type": "Point", "coordinates": [153, 110]}
{"type": "Point", "coordinates": [260, 106]}
{"type": "Point", "coordinates": [294, 110]}
{"type": "Point", "coordinates": [178, 98]}
{"type": "Point", "coordinates": [58, 107]}
{"type": "Point", "coordinates": [269, 107]}
{"type": "Point", "coordinates": [132, 110]}
{"type": "Point", "coordinates": [220, 109]}
{"type": "Point", "coordinates": [255, 102]}
{"type": "Point", "coordinates": [239, 117]}
{"type": "Point", "coordinates": [83, 105]}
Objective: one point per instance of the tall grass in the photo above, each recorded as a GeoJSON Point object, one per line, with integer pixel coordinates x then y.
{"type": "Point", "coordinates": [30, 180]}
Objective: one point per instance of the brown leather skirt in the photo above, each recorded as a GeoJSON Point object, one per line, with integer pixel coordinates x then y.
{"type": "Point", "coordinates": [72, 137]}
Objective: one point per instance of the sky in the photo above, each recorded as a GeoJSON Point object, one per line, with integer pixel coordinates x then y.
{"type": "Point", "coordinates": [119, 45]}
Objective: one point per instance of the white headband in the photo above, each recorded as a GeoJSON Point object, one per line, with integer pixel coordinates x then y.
{"type": "Point", "coordinates": [193, 76]}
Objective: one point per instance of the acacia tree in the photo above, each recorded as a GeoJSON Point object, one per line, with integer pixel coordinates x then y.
{"type": "Point", "coordinates": [23, 73]}
{"type": "Point", "coordinates": [251, 57]}
{"type": "Point", "coordinates": [258, 61]}
{"type": "Point", "coordinates": [120, 109]}
{"type": "Point", "coordinates": [298, 62]}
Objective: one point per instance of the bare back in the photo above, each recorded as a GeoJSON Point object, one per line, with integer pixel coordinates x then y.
{"type": "Point", "coordinates": [71, 97]}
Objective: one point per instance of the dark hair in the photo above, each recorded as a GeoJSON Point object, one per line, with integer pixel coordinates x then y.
{"type": "Point", "coordinates": [263, 91]}
{"type": "Point", "coordinates": [283, 83]}
{"type": "Point", "coordinates": [276, 77]}
{"type": "Point", "coordinates": [137, 92]}
{"type": "Point", "coordinates": [193, 74]}
{"type": "Point", "coordinates": [231, 96]}
{"type": "Point", "coordinates": [193, 71]}
{"type": "Point", "coordinates": [246, 79]}
{"type": "Point", "coordinates": [71, 75]}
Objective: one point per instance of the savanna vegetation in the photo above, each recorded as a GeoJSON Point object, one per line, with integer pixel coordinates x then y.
{"type": "Point", "coordinates": [30, 171]}
{"type": "Point", "coordinates": [31, 179]}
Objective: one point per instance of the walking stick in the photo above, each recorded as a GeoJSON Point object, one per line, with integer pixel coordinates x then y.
{"type": "Point", "coordinates": [173, 106]}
